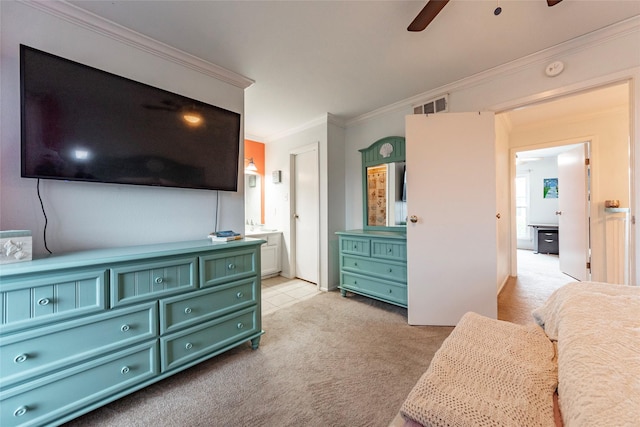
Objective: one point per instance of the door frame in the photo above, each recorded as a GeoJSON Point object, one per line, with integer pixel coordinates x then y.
{"type": "Point", "coordinates": [513, 172]}
{"type": "Point", "coordinates": [315, 146]}
{"type": "Point", "coordinates": [632, 78]}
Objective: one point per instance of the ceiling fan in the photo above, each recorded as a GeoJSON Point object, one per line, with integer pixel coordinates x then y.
{"type": "Point", "coordinates": [433, 7]}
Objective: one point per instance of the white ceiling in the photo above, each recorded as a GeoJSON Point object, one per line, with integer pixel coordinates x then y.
{"type": "Point", "coordinates": [348, 58]}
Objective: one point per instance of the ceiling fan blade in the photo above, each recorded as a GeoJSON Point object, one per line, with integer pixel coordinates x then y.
{"type": "Point", "coordinates": [553, 2]}
{"type": "Point", "coordinates": [427, 14]}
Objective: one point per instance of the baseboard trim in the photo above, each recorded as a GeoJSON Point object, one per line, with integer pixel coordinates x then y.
{"type": "Point", "coordinates": [504, 283]}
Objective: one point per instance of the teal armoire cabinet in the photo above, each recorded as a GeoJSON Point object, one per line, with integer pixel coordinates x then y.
{"type": "Point", "coordinates": [373, 261]}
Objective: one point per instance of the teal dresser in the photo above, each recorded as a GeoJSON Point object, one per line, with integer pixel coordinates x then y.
{"type": "Point", "coordinates": [80, 330]}
{"type": "Point", "coordinates": [374, 264]}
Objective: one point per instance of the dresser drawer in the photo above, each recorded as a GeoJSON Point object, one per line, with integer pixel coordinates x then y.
{"type": "Point", "coordinates": [150, 280]}
{"type": "Point", "coordinates": [36, 352]}
{"type": "Point", "coordinates": [387, 270]}
{"type": "Point", "coordinates": [228, 266]}
{"type": "Point", "coordinates": [382, 290]}
{"type": "Point", "coordinates": [42, 401]}
{"type": "Point", "coordinates": [39, 300]}
{"type": "Point", "coordinates": [186, 346]}
{"type": "Point", "coordinates": [355, 246]}
{"type": "Point", "coordinates": [185, 310]}
{"type": "Point", "coordinates": [386, 249]}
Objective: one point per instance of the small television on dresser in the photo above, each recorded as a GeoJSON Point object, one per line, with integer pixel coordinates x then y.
{"type": "Point", "coordinates": [79, 123]}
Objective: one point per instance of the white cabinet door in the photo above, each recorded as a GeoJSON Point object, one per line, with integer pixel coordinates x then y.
{"type": "Point", "coordinates": [270, 261]}
{"type": "Point", "coordinates": [451, 189]}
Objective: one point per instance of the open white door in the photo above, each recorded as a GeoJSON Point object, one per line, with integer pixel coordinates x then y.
{"type": "Point", "coordinates": [573, 216]}
{"type": "Point", "coordinates": [451, 192]}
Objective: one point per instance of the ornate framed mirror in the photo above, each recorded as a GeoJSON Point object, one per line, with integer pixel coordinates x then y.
{"type": "Point", "coordinates": [384, 185]}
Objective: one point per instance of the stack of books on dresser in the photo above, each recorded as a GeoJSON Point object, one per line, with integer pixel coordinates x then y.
{"type": "Point", "coordinates": [224, 236]}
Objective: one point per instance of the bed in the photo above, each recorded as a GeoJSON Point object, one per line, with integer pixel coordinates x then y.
{"type": "Point", "coordinates": [576, 364]}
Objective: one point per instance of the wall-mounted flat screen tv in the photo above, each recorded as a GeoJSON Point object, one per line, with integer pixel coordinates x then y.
{"type": "Point", "coordinates": [83, 124]}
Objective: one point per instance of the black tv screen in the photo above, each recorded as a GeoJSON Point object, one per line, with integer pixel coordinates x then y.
{"type": "Point", "coordinates": [83, 124]}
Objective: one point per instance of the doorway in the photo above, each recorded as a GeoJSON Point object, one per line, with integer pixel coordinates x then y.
{"type": "Point", "coordinates": [553, 224]}
{"type": "Point", "coordinates": [601, 116]}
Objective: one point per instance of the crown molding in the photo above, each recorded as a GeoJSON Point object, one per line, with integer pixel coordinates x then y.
{"type": "Point", "coordinates": [586, 41]}
{"type": "Point", "coordinates": [324, 119]}
{"type": "Point", "coordinates": [97, 24]}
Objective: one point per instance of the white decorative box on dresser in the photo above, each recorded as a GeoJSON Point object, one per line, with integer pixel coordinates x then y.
{"type": "Point", "coordinates": [80, 330]}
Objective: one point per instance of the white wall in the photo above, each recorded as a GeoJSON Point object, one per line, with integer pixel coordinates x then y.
{"type": "Point", "coordinates": [90, 215]}
{"type": "Point", "coordinates": [329, 135]}
{"type": "Point", "coordinates": [604, 57]}
{"type": "Point", "coordinates": [277, 197]}
{"type": "Point", "coordinates": [335, 201]}
{"type": "Point", "coordinates": [541, 210]}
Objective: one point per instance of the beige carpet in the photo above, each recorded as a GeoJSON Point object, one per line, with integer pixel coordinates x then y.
{"type": "Point", "coordinates": [538, 276]}
{"type": "Point", "coordinates": [326, 361]}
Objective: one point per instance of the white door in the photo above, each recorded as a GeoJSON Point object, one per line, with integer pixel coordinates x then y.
{"type": "Point", "coordinates": [573, 217]}
{"type": "Point", "coordinates": [306, 214]}
{"type": "Point", "coordinates": [451, 186]}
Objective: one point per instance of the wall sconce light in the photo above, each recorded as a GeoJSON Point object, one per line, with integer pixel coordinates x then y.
{"type": "Point", "coordinates": [251, 168]}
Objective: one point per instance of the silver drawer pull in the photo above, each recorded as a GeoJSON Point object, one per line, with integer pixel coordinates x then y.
{"type": "Point", "coordinates": [20, 411]}
{"type": "Point", "coordinates": [240, 325]}
{"type": "Point", "coordinates": [188, 346]}
{"type": "Point", "coordinates": [390, 250]}
{"type": "Point", "coordinates": [391, 270]}
{"type": "Point", "coordinates": [548, 234]}
{"type": "Point", "coordinates": [239, 295]}
{"type": "Point", "coordinates": [187, 310]}
{"type": "Point", "coordinates": [355, 264]}
{"type": "Point", "coordinates": [125, 327]}
{"type": "Point", "coordinates": [125, 370]}
{"type": "Point", "coordinates": [158, 280]}
{"type": "Point", "coordinates": [390, 291]}
{"type": "Point", "coordinates": [44, 301]}
{"type": "Point", "coordinates": [231, 266]}
{"type": "Point", "coordinates": [21, 358]}
{"type": "Point", "coordinates": [548, 240]}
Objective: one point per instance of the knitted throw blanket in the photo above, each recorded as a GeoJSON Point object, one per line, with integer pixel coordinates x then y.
{"type": "Point", "coordinates": [487, 373]}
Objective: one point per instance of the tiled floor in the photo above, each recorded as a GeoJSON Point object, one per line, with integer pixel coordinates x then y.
{"type": "Point", "coordinates": [279, 292]}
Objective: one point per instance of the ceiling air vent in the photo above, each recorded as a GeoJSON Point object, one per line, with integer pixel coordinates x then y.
{"type": "Point", "coordinates": [437, 105]}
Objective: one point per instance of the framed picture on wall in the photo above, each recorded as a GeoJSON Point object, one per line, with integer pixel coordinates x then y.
{"type": "Point", "coordinates": [550, 188]}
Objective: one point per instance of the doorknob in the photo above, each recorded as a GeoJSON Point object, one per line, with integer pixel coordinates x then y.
{"type": "Point", "coordinates": [296, 216]}
{"type": "Point", "coordinates": [498, 215]}
{"type": "Point", "coordinates": [413, 219]}
{"type": "Point", "coordinates": [558, 212]}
